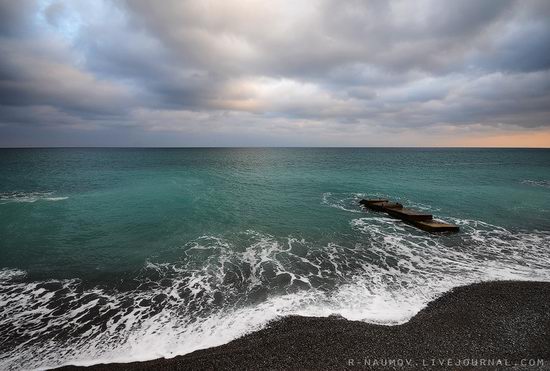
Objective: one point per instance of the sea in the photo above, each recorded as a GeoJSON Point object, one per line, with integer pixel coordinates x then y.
{"type": "Point", "coordinates": [130, 254]}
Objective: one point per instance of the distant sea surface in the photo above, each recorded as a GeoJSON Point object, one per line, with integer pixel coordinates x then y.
{"type": "Point", "coordinates": [131, 254]}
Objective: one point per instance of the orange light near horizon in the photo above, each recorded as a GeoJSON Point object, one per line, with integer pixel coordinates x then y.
{"type": "Point", "coordinates": [533, 139]}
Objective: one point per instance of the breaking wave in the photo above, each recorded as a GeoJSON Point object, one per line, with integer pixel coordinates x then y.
{"type": "Point", "coordinates": [348, 203]}
{"type": "Point", "coordinates": [537, 183]}
{"type": "Point", "coordinates": [223, 287]}
{"type": "Point", "coordinates": [8, 197]}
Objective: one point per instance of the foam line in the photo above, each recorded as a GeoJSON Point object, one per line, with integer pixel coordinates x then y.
{"type": "Point", "coordinates": [29, 197]}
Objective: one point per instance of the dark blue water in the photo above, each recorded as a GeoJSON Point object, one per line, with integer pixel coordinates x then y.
{"type": "Point", "coordinates": [126, 254]}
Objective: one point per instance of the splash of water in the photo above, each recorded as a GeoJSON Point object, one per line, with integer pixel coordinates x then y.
{"type": "Point", "coordinates": [222, 288]}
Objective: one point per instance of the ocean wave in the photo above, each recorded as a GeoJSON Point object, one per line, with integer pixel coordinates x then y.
{"type": "Point", "coordinates": [537, 183]}
{"type": "Point", "coordinates": [347, 202]}
{"type": "Point", "coordinates": [350, 201]}
{"type": "Point", "coordinates": [30, 197]}
{"type": "Point", "coordinates": [7, 274]}
{"type": "Point", "coordinates": [223, 287]}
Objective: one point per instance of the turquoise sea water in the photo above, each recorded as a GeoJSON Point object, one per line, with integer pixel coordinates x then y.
{"type": "Point", "coordinates": [131, 254]}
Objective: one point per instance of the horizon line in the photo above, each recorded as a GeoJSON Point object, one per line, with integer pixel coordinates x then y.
{"type": "Point", "coordinates": [266, 147]}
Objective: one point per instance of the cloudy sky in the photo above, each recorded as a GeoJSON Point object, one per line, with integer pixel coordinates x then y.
{"type": "Point", "coordinates": [275, 73]}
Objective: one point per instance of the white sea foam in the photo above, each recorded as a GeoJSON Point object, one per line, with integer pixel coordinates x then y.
{"type": "Point", "coordinates": [537, 183]}
{"type": "Point", "coordinates": [11, 274]}
{"type": "Point", "coordinates": [221, 290]}
{"type": "Point", "coordinates": [347, 203]}
{"type": "Point", "coordinates": [29, 197]}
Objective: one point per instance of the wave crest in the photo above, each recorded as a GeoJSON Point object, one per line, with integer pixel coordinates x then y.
{"type": "Point", "coordinates": [537, 183]}
{"type": "Point", "coordinates": [29, 197]}
{"type": "Point", "coordinates": [225, 286]}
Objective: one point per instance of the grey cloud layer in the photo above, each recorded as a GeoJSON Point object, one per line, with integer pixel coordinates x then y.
{"type": "Point", "coordinates": [206, 68]}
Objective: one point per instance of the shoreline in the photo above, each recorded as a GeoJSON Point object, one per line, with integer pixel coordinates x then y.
{"type": "Point", "coordinates": [497, 324]}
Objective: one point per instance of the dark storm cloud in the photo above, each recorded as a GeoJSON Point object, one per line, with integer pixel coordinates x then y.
{"type": "Point", "coordinates": [328, 67]}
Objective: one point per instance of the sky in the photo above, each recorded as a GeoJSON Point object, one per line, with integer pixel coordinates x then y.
{"type": "Point", "coordinates": [274, 73]}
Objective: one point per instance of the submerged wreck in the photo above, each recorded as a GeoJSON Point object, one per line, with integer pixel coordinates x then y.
{"type": "Point", "coordinates": [418, 219]}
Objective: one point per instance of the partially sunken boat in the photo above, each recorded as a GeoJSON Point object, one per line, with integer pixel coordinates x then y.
{"type": "Point", "coordinates": [418, 219]}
